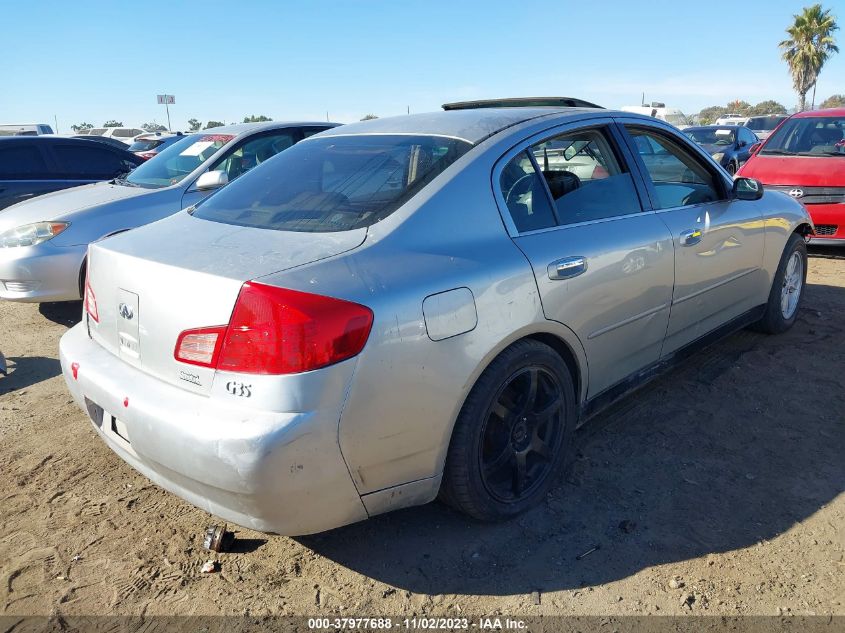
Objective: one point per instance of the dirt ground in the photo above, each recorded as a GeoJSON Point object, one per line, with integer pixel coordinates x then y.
{"type": "Point", "coordinates": [718, 489]}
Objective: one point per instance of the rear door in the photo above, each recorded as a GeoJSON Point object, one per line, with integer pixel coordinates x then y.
{"type": "Point", "coordinates": [603, 264]}
{"type": "Point", "coordinates": [718, 241]}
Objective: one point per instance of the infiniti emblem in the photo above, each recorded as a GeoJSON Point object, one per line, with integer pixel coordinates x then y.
{"type": "Point", "coordinates": [796, 193]}
{"type": "Point", "coordinates": [125, 311]}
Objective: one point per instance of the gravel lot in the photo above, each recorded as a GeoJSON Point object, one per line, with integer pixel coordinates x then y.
{"type": "Point", "coordinates": [717, 489]}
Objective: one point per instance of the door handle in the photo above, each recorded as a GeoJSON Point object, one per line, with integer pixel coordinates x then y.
{"type": "Point", "coordinates": [567, 267]}
{"type": "Point", "coordinates": [690, 237]}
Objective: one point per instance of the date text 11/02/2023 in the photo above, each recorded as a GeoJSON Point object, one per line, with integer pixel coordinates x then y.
{"type": "Point", "coordinates": [417, 623]}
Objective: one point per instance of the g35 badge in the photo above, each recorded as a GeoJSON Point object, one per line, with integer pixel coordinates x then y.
{"type": "Point", "coordinates": [239, 389]}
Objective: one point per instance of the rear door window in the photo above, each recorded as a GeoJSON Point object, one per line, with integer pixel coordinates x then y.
{"type": "Point", "coordinates": [525, 194]}
{"type": "Point", "coordinates": [22, 162]}
{"type": "Point", "coordinates": [91, 162]}
{"type": "Point", "coordinates": [334, 183]}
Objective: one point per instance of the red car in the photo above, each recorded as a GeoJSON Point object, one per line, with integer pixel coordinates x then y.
{"type": "Point", "coordinates": [805, 157]}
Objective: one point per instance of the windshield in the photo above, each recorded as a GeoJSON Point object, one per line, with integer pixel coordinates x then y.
{"type": "Point", "coordinates": [333, 183]}
{"type": "Point", "coordinates": [712, 136]}
{"type": "Point", "coordinates": [98, 131]}
{"type": "Point", "coordinates": [676, 119]}
{"type": "Point", "coordinates": [172, 164]}
{"type": "Point", "coordinates": [811, 136]}
{"type": "Point", "coordinates": [764, 123]}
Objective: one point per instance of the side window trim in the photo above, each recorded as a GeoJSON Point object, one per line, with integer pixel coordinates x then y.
{"type": "Point", "coordinates": [618, 142]}
{"type": "Point", "coordinates": [538, 170]}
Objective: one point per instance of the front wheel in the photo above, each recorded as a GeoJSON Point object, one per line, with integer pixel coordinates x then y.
{"type": "Point", "coordinates": [512, 435]}
{"type": "Point", "coordinates": [731, 168]}
{"type": "Point", "coordinates": [787, 288]}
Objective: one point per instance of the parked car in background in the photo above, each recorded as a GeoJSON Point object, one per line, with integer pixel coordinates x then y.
{"type": "Point", "coordinates": [106, 140]}
{"type": "Point", "coordinates": [763, 126]}
{"type": "Point", "coordinates": [124, 134]}
{"type": "Point", "coordinates": [731, 119]}
{"type": "Point", "coordinates": [25, 129]}
{"type": "Point", "coordinates": [730, 146]}
{"type": "Point", "coordinates": [43, 242]}
{"type": "Point", "coordinates": [416, 306]}
{"type": "Point", "coordinates": [660, 111]}
{"type": "Point", "coordinates": [805, 158]}
{"type": "Point", "coordinates": [32, 166]}
{"type": "Point", "coordinates": [148, 145]}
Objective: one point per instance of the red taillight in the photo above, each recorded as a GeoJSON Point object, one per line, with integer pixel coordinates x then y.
{"type": "Point", "coordinates": [91, 301]}
{"type": "Point", "coordinates": [146, 155]}
{"type": "Point", "coordinates": [200, 346]}
{"type": "Point", "coordinates": [280, 331]}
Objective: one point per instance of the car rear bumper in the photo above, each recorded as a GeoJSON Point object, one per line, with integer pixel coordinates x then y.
{"type": "Point", "coordinates": [829, 220]}
{"type": "Point", "coordinates": [41, 273]}
{"type": "Point", "coordinates": [271, 471]}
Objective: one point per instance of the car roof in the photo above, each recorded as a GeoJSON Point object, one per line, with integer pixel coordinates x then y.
{"type": "Point", "coordinates": [245, 128]}
{"type": "Point", "coordinates": [807, 114]}
{"type": "Point", "coordinates": [470, 125]}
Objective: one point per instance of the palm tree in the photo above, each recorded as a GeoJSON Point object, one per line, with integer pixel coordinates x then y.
{"type": "Point", "coordinates": [809, 46]}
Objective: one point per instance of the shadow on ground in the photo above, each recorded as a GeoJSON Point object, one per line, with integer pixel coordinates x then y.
{"type": "Point", "coordinates": [27, 371]}
{"type": "Point", "coordinates": [732, 448]}
{"type": "Point", "coordinates": [67, 313]}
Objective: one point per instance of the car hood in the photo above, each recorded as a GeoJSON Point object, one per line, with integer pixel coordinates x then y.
{"type": "Point", "coordinates": [809, 171]}
{"type": "Point", "coordinates": [60, 205]}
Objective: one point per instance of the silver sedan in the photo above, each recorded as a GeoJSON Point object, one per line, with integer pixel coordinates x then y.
{"type": "Point", "coordinates": [420, 306]}
{"type": "Point", "coordinates": [43, 241]}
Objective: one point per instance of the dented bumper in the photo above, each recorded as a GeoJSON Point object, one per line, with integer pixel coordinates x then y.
{"type": "Point", "coordinates": [273, 471]}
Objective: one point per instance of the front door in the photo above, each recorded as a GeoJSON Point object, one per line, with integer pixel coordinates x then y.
{"type": "Point", "coordinates": [603, 266]}
{"type": "Point", "coordinates": [718, 241]}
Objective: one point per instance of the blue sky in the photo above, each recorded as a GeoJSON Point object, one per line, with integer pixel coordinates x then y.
{"type": "Point", "coordinates": [91, 61]}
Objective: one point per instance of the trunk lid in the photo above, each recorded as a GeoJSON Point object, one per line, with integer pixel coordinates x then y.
{"type": "Point", "coordinates": [181, 273]}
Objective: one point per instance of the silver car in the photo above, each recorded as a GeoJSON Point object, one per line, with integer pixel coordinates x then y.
{"type": "Point", "coordinates": [43, 241]}
{"type": "Point", "coordinates": [415, 306]}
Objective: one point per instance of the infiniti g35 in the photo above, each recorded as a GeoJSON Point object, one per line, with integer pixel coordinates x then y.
{"type": "Point", "coordinates": [423, 305]}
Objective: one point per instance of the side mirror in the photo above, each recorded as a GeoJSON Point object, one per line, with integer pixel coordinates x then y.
{"type": "Point", "coordinates": [211, 180]}
{"type": "Point", "coordinates": [755, 147]}
{"type": "Point", "coordinates": [747, 189]}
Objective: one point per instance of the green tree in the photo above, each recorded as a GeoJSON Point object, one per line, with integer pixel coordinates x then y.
{"type": "Point", "coordinates": [809, 46]}
{"type": "Point", "coordinates": [113, 123]}
{"type": "Point", "coordinates": [194, 125]}
{"type": "Point", "coordinates": [153, 127]}
{"type": "Point", "coordinates": [833, 101]}
{"type": "Point", "coordinates": [767, 107]}
{"type": "Point", "coordinates": [738, 106]}
{"type": "Point", "coordinates": [81, 126]}
{"type": "Point", "coordinates": [709, 115]}
{"type": "Point", "coordinates": [212, 124]}
{"type": "Point", "coordinates": [369, 117]}
{"type": "Point", "coordinates": [256, 119]}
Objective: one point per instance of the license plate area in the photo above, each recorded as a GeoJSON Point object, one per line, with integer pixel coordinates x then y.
{"type": "Point", "coordinates": [95, 412]}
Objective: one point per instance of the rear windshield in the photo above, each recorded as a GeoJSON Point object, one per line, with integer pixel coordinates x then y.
{"type": "Point", "coordinates": [145, 145]}
{"type": "Point", "coordinates": [764, 123]}
{"type": "Point", "coordinates": [337, 183]}
{"type": "Point", "coordinates": [171, 165]}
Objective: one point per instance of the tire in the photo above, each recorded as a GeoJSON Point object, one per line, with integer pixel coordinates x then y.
{"type": "Point", "coordinates": [731, 168]}
{"type": "Point", "coordinates": [502, 431]}
{"type": "Point", "coordinates": [781, 313]}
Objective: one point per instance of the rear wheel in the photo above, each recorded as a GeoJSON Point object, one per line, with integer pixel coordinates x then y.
{"type": "Point", "coordinates": [787, 288]}
{"type": "Point", "coordinates": [731, 168]}
{"type": "Point", "coordinates": [512, 435]}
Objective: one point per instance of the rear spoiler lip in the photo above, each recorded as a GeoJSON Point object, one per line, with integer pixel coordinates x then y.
{"type": "Point", "coordinates": [522, 102]}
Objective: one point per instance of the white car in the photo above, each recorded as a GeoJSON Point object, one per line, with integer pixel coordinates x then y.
{"type": "Point", "coordinates": [124, 134]}
{"type": "Point", "coordinates": [731, 119]}
{"type": "Point", "coordinates": [25, 129]}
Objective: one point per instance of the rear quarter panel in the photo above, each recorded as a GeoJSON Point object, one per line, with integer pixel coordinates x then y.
{"type": "Point", "coordinates": [408, 389]}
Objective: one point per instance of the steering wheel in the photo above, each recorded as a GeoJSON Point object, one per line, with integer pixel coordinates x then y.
{"type": "Point", "coordinates": [520, 187]}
